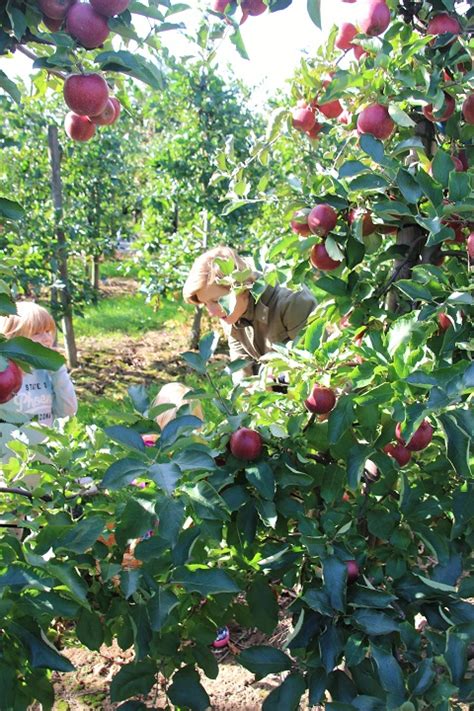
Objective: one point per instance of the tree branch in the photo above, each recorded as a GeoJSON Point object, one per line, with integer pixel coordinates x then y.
{"type": "Point", "coordinates": [31, 55]}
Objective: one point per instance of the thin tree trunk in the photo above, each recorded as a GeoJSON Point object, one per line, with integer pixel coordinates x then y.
{"type": "Point", "coordinates": [196, 327]}
{"type": "Point", "coordinates": [95, 274]}
{"type": "Point", "coordinates": [64, 294]}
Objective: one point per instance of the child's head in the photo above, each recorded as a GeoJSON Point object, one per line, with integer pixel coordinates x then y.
{"type": "Point", "coordinates": [205, 271]}
{"type": "Point", "coordinates": [32, 321]}
{"type": "Point", "coordinates": [174, 394]}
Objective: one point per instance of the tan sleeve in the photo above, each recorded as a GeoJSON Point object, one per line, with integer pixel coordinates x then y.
{"type": "Point", "coordinates": [296, 311]}
{"type": "Point", "coordinates": [236, 351]}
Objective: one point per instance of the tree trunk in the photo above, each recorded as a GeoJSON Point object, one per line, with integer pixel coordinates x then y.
{"type": "Point", "coordinates": [196, 327]}
{"type": "Point", "coordinates": [64, 293]}
{"type": "Point", "coordinates": [95, 273]}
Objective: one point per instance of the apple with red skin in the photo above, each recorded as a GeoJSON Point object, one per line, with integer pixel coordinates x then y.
{"type": "Point", "coordinates": [446, 111]}
{"type": "Point", "coordinates": [87, 26]}
{"type": "Point", "coordinates": [246, 444]}
{"type": "Point", "coordinates": [254, 7]}
{"type": "Point", "coordinates": [86, 94]}
{"type": "Point", "coordinates": [368, 226]}
{"type": "Point", "coordinates": [375, 18]}
{"type": "Point", "coordinates": [321, 400]}
{"type": "Point", "coordinates": [299, 223]}
{"type": "Point", "coordinates": [352, 570]}
{"type": "Point", "coordinates": [220, 5]}
{"type": "Point", "coordinates": [11, 379]}
{"type": "Point", "coordinates": [52, 25]}
{"type": "Point", "coordinates": [79, 128]}
{"type": "Point", "coordinates": [400, 453]}
{"type": "Point", "coordinates": [470, 245]}
{"type": "Point", "coordinates": [346, 34]}
{"type": "Point", "coordinates": [108, 115]}
{"type": "Point", "coordinates": [55, 9]}
{"type": "Point", "coordinates": [109, 8]}
{"type": "Point", "coordinates": [376, 120]}
{"type": "Point", "coordinates": [443, 23]}
{"type": "Point", "coordinates": [320, 258]}
{"type": "Point", "coordinates": [468, 109]}
{"type": "Point", "coordinates": [314, 132]}
{"type": "Point", "coordinates": [303, 119]}
{"type": "Point", "coordinates": [420, 439]}
{"type": "Point", "coordinates": [331, 109]}
{"type": "Point", "coordinates": [322, 219]}
{"type": "Point", "coordinates": [359, 52]}
{"type": "Point", "coordinates": [444, 321]}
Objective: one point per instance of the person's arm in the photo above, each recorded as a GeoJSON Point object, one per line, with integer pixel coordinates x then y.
{"type": "Point", "coordinates": [237, 351]}
{"type": "Point", "coordinates": [64, 397]}
{"type": "Point", "coordinates": [297, 310]}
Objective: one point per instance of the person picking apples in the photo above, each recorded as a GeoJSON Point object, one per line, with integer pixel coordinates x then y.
{"type": "Point", "coordinates": [222, 281]}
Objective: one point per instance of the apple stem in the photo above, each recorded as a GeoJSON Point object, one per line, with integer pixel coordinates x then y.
{"type": "Point", "coordinates": [310, 422]}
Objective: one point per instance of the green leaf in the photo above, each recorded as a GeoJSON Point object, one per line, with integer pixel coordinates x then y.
{"type": "Point", "coordinates": [209, 343]}
{"type": "Point", "coordinates": [262, 660]}
{"type": "Point", "coordinates": [369, 182]}
{"type": "Point", "coordinates": [42, 653]}
{"type": "Point", "coordinates": [317, 684]}
{"type": "Point", "coordinates": [441, 167]}
{"type": "Point", "coordinates": [81, 535]}
{"type": "Point", "coordinates": [126, 436]}
{"type": "Point", "coordinates": [373, 147]}
{"type": "Point", "coordinates": [25, 351]}
{"type": "Point", "coordinates": [314, 11]}
{"type": "Point", "coordinates": [186, 690]}
{"type": "Point", "coordinates": [332, 285]}
{"type": "Point", "coordinates": [263, 605]}
{"type": "Point", "coordinates": [420, 681]}
{"type": "Point", "coordinates": [133, 679]}
{"type": "Point", "coordinates": [400, 117]}
{"type": "Point", "coordinates": [375, 623]}
{"type": "Point", "coordinates": [361, 596]}
{"type": "Point", "coordinates": [159, 607]}
{"type": "Point", "coordinates": [262, 478]}
{"type": "Point", "coordinates": [134, 521]}
{"type": "Point", "coordinates": [178, 425]}
{"type": "Point", "coordinates": [430, 188]}
{"type": "Point", "coordinates": [195, 361]}
{"type": "Point", "coordinates": [208, 581]}
{"type": "Point", "coordinates": [190, 459]}
{"type": "Point", "coordinates": [18, 21]}
{"type": "Point", "coordinates": [11, 88]}
{"type": "Point", "coordinates": [459, 186]}
{"type": "Point", "coordinates": [356, 458]}
{"type": "Point", "coordinates": [456, 655]}
{"type": "Point", "coordinates": [335, 581]}
{"type": "Point", "coordinates": [409, 187]}
{"type": "Point", "coordinates": [414, 290]}
{"type": "Point", "coordinates": [390, 673]}
{"type": "Point", "coordinates": [165, 475]}
{"type": "Point", "coordinates": [353, 167]}
{"type": "Point", "coordinates": [314, 335]}
{"type": "Point", "coordinates": [135, 65]}
{"type": "Point", "coordinates": [457, 443]}
{"type": "Point", "coordinates": [286, 696]}
{"type": "Point", "coordinates": [238, 42]}
{"type": "Point", "coordinates": [68, 576]}
{"type": "Point", "coordinates": [340, 419]}
{"type": "Point", "coordinates": [122, 472]}
{"type": "Point", "coordinates": [90, 629]}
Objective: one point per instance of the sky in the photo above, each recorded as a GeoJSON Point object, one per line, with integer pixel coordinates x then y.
{"type": "Point", "coordinates": [274, 42]}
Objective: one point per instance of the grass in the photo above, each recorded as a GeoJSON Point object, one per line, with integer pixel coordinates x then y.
{"type": "Point", "coordinates": [127, 314]}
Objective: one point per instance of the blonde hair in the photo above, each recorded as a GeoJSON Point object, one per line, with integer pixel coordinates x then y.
{"type": "Point", "coordinates": [30, 319]}
{"type": "Point", "coordinates": [205, 271]}
{"type": "Point", "coordinates": [174, 394]}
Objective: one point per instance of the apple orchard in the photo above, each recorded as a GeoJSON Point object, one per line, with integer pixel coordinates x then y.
{"type": "Point", "coordinates": [351, 493]}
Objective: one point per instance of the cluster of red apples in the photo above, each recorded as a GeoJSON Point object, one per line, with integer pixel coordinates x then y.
{"type": "Point", "coordinates": [249, 8]}
{"type": "Point", "coordinates": [11, 379]}
{"type": "Point", "coordinates": [86, 22]}
{"type": "Point", "coordinates": [87, 95]}
{"type": "Point", "coordinates": [401, 450]}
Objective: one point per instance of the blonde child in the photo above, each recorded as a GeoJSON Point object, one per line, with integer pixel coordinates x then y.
{"type": "Point", "coordinates": [44, 394]}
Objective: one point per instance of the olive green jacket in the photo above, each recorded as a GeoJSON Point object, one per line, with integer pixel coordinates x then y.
{"type": "Point", "coordinates": [277, 317]}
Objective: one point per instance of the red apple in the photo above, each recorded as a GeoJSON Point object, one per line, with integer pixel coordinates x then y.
{"type": "Point", "coordinates": [10, 381]}
{"type": "Point", "coordinates": [368, 226]}
{"type": "Point", "coordinates": [314, 132]}
{"type": "Point", "coordinates": [375, 119]}
{"type": "Point", "coordinates": [359, 52]}
{"type": "Point", "coordinates": [346, 34]}
{"type": "Point", "coordinates": [442, 114]}
{"type": "Point", "coordinates": [117, 107]}
{"type": "Point", "coordinates": [299, 223]}
{"type": "Point", "coordinates": [52, 25]}
{"type": "Point", "coordinates": [246, 444]}
{"type": "Point", "coordinates": [55, 9]}
{"type": "Point", "coordinates": [79, 128]}
{"type": "Point", "coordinates": [322, 219]}
{"type": "Point", "coordinates": [470, 245]}
{"type": "Point", "coordinates": [321, 400]}
{"type": "Point", "coordinates": [109, 8]}
{"type": "Point", "coordinates": [320, 258]}
{"type": "Point", "coordinates": [420, 439]}
{"type": "Point", "coordinates": [468, 109]}
{"type": "Point", "coordinates": [108, 115]}
{"type": "Point", "coordinates": [442, 23]}
{"type": "Point", "coordinates": [220, 5]}
{"type": "Point", "coordinates": [352, 570]}
{"type": "Point", "coordinates": [346, 496]}
{"type": "Point", "coordinates": [254, 7]}
{"type": "Point", "coordinates": [86, 94]}
{"type": "Point", "coordinates": [398, 452]}
{"type": "Point", "coordinates": [87, 26]}
{"type": "Point", "coordinates": [375, 18]}
{"type": "Point", "coordinates": [345, 118]}
{"type": "Point", "coordinates": [445, 321]}
{"type": "Point", "coordinates": [331, 109]}
{"type": "Point", "coordinates": [303, 119]}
